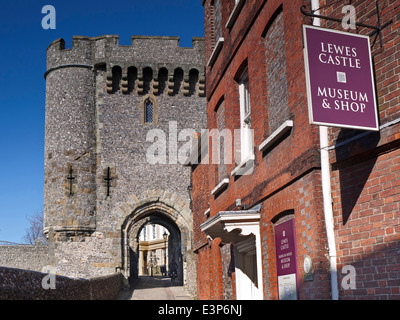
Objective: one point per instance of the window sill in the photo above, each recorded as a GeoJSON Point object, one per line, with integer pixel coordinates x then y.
{"type": "Point", "coordinates": [215, 53]}
{"type": "Point", "coordinates": [235, 13]}
{"type": "Point", "coordinates": [220, 186]}
{"type": "Point", "coordinates": [242, 167]}
{"type": "Point", "coordinates": [276, 135]}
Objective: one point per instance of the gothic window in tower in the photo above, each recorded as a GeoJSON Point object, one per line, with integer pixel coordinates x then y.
{"type": "Point", "coordinates": [148, 110]}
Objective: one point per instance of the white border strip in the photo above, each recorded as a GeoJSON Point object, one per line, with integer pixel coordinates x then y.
{"type": "Point", "coordinates": [216, 51]}
{"type": "Point", "coordinates": [220, 185]}
{"type": "Point", "coordinates": [235, 13]}
{"type": "Point", "coordinates": [308, 83]}
{"type": "Point", "coordinates": [276, 135]}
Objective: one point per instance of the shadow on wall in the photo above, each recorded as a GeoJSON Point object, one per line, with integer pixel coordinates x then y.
{"type": "Point", "coordinates": [353, 174]}
{"type": "Point", "coordinates": [372, 276]}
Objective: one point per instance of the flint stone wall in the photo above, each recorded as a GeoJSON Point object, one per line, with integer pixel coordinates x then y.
{"type": "Point", "coordinates": [27, 257]}
{"type": "Point", "coordinates": [17, 284]}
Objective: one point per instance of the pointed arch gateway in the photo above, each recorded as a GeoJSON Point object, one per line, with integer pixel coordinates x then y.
{"type": "Point", "coordinates": [171, 212]}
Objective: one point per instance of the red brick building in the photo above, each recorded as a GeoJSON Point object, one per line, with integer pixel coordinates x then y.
{"type": "Point", "coordinates": [261, 229]}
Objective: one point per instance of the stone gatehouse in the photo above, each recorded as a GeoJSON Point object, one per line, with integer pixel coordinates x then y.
{"type": "Point", "coordinates": [114, 142]}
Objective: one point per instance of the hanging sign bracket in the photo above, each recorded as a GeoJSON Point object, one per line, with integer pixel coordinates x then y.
{"type": "Point", "coordinates": [377, 30]}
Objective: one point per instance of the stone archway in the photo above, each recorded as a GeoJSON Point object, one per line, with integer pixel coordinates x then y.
{"type": "Point", "coordinates": [161, 208]}
{"type": "Point", "coordinates": [175, 256]}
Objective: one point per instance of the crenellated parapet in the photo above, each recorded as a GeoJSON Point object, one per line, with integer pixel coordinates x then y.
{"type": "Point", "coordinates": [132, 69]}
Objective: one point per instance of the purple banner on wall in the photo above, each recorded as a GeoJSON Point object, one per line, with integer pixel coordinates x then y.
{"type": "Point", "coordinates": [285, 246]}
{"type": "Point", "coordinates": [339, 77]}
{"type": "Point", "coordinates": [286, 260]}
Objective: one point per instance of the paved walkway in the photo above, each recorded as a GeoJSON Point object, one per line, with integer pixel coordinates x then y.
{"type": "Point", "coordinates": [154, 288]}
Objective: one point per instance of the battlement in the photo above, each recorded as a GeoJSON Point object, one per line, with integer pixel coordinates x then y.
{"type": "Point", "coordinates": [196, 41]}
{"type": "Point", "coordinates": [152, 62]}
{"type": "Point", "coordinates": [144, 51]}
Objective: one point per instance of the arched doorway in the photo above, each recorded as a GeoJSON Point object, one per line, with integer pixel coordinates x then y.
{"type": "Point", "coordinates": [174, 249]}
{"type": "Point", "coordinates": [175, 218]}
{"type": "Point", "coordinates": [153, 258]}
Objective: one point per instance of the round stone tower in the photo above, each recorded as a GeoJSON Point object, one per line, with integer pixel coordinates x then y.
{"type": "Point", "coordinates": [70, 161]}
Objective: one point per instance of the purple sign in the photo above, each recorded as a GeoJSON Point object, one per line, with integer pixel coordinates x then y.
{"type": "Point", "coordinates": [285, 246]}
{"type": "Point", "coordinates": [339, 77]}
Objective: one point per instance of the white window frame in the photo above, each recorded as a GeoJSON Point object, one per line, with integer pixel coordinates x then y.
{"type": "Point", "coordinates": [246, 136]}
{"type": "Point", "coordinates": [216, 51]}
{"type": "Point", "coordinates": [235, 13]}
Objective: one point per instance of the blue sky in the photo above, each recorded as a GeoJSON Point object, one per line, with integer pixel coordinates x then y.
{"type": "Point", "coordinates": [23, 44]}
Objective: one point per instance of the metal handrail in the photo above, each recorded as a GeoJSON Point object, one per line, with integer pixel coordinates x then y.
{"type": "Point", "coordinates": [9, 243]}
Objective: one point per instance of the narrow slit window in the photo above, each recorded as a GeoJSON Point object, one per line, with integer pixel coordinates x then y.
{"type": "Point", "coordinates": [148, 116]}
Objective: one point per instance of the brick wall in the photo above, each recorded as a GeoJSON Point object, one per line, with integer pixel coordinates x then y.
{"type": "Point", "coordinates": [201, 203]}
{"type": "Point", "coordinates": [278, 110]}
{"type": "Point", "coordinates": [217, 20]}
{"type": "Point", "coordinates": [267, 39]}
{"type": "Point", "coordinates": [283, 170]}
{"type": "Point", "coordinates": [301, 201]}
{"type": "Point", "coordinates": [203, 274]}
{"type": "Point", "coordinates": [366, 172]}
{"type": "Point", "coordinates": [220, 119]}
{"type": "Point", "coordinates": [228, 270]}
{"type": "Point", "coordinates": [216, 288]}
{"type": "Point", "coordinates": [367, 216]}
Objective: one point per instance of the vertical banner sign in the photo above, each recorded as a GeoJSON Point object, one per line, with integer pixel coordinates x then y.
{"type": "Point", "coordinates": [286, 260]}
{"type": "Point", "coordinates": [340, 80]}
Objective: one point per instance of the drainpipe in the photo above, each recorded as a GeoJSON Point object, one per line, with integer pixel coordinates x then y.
{"type": "Point", "coordinates": [326, 188]}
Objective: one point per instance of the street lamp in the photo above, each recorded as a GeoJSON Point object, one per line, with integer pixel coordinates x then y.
{"type": "Point", "coordinates": [165, 236]}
